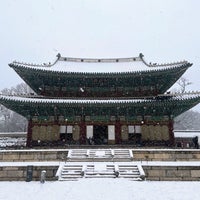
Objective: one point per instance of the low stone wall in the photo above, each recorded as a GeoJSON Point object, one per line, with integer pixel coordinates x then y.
{"type": "Point", "coordinates": [153, 173]}
{"type": "Point", "coordinates": [172, 173]}
{"type": "Point", "coordinates": [61, 154]}
{"type": "Point", "coordinates": [177, 172]}
{"type": "Point", "coordinates": [32, 155]}
{"type": "Point", "coordinates": [19, 173]}
{"type": "Point", "coordinates": [166, 155]}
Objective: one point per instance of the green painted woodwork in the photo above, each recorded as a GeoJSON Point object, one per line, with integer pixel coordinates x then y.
{"type": "Point", "coordinates": [125, 84]}
{"type": "Point", "coordinates": [151, 109]}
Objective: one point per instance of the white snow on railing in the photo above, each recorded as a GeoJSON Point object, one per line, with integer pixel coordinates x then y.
{"type": "Point", "coordinates": [58, 173]}
{"type": "Point", "coordinates": [141, 171]}
{"type": "Point", "coordinates": [88, 153]}
{"type": "Point", "coordinates": [112, 153]}
{"type": "Point", "coordinates": [131, 154]}
{"type": "Point", "coordinates": [69, 154]}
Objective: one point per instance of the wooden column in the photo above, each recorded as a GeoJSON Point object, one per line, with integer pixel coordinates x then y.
{"type": "Point", "coordinates": [29, 133]}
{"type": "Point", "coordinates": [171, 133]}
{"type": "Point", "coordinates": [82, 132]}
{"type": "Point", "coordinates": [118, 132]}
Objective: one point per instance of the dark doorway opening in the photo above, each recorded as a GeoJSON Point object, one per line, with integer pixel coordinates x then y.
{"type": "Point", "coordinates": [100, 134]}
{"type": "Point", "coordinates": [135, 139]}
{"type": "Point", "coordinates": [66, 138]}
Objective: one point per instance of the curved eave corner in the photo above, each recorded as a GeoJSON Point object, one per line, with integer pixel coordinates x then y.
{"type": "Point", "coordinates": [186, 104]}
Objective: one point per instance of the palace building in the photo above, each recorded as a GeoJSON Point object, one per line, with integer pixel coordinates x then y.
{"type": "Point", "coordinates": [100, 101]}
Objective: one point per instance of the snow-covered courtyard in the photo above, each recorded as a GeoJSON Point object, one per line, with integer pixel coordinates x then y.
{"type": "Point", "coordinates": [100, 189]}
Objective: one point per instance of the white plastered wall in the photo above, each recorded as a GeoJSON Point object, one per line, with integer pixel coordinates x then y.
{"type": "Point", "coordinates": [111, 132]}
{"type": "Point", "coordinates": [89, 131]}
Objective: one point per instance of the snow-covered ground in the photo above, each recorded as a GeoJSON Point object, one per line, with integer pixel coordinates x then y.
{"type": "Point", "coordinates": [97, 189]}
{"type": "Point", "coordinates": [100, 189]}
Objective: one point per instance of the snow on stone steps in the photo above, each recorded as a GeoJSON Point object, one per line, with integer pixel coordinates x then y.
{"type": "Point", "coordinates": [100, 170]}
{"type": "Point", "coordinates": [100, 155]}
{"type": "Point", "coordinates": [69, 171]}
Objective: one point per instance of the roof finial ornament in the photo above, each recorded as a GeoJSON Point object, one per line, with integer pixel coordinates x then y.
{"type": "Point", "coordinates": [141, 55]}
{"type": "Point", "coordinates": [58, 55]}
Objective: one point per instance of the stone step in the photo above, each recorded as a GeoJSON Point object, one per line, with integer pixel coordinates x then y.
{"type": "Point", "coordinates": [72, 167]}
{"type": "Point", "coordinates": [99, 160]}
{"type": "Point", "coordinates": [67, 178]}
{"type": "Point", "coordinates": [70, 172]}
{"type": "Point", "coordinates": [100, 176]}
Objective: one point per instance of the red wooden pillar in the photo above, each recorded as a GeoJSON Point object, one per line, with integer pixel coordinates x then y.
{"type": "Point", "coordinates": [82, 132]}
{"type": "Point", "coordinates": [171, 133]}
{"type": "Point", "coordinates": [117, 132]}
{"type": "Point", "coordinates": [29, 133]}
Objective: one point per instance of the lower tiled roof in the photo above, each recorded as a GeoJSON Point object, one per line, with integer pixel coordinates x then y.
{"type": "Point", "coordinates": [155, 106]}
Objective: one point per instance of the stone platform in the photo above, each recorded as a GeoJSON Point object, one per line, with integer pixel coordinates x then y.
{"type": "Point", "coordinates": [158, 164]}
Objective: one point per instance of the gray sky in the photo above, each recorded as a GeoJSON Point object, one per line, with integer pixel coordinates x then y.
{"type": "Point", "coordinates": [36, 30]}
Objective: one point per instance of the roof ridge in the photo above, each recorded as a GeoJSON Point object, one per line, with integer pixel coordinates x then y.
{"type": "Point", "coordinates": [101, 60]}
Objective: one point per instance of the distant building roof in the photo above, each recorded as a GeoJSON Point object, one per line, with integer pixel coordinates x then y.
{"type": "Point", "coordinates": [186, 133]}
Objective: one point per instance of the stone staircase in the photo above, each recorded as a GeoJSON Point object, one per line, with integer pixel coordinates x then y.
{"type": "Point", "coordinates": [99, 155]}
{"type": "Point", "coordinates": [100, 163]}
{"type": "Point", "coordinates": [100, 170]}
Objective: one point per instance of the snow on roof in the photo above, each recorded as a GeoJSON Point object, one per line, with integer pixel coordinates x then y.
{"type": "Point", "coordinates": [85, 101]}
{"type": "Point", "coordinates": [109, 65]}
{"type": "Point", "coordinates": [35, 99]}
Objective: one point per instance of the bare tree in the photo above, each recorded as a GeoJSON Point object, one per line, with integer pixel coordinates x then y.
{"type": "Point", "coordinates": [11, 121]}
{"type": "Point", "coordinates": [183, 83]}
{"type": "Point", "coordinates": [189, 119]}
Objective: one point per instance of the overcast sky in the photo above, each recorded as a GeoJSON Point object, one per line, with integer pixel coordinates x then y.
{"type": "Point", "coordinates": [36, 30]}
